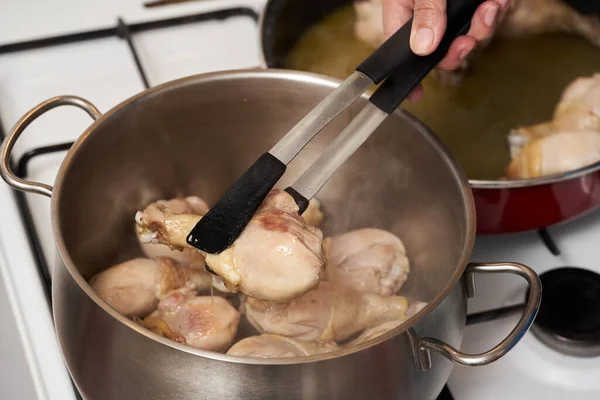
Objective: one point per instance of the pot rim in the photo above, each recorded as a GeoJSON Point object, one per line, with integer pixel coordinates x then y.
{"type": "Point", "coordinates": [495, 184]}
{"type": "Point", "coordinates": [242, 74]}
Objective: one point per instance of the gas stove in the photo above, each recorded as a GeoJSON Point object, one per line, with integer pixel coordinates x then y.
{"type": "Point", "coordinates": [558, 357]}
{"type": "Point", "coordinates": [108, 51]}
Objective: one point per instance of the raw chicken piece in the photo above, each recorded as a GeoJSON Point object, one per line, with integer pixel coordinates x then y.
{"type": "Point", "coordinates": [187, 257]}
{"type": "Point", "coordinates": [534, 17]}
{"type": "Point", "coordinates": [277, 257]}
{"type": "Point", "coordinates": [379, 330]}
{"type": "Point", "coordinates": [277, 346]}
{"type": "Point", "coordinates": [554, 154]}
{"type": "Point", "coordinates": [164, 224]}
{"type": "Point", "coordinates": [372, 333]}
{"type": "Point", "coordinates": [523, 18]}
{"type": "Point", "coordinates": [204, 322]}
{"type": "Point", "coordinates": [313, 215]}
{"type": "Point", "coordinates": [368, 23]}
{"type": "Point", "coordinates": [577, 110]}
{"type": "Point", "coordinates": [414, 308]}
{"type": "Point", "coordinates": [324, 314]}
{"type": "Point", "coordinates": [134, 287]}
{"type": "Point", "coordinates": [168, 222]}
{"type": "Point", "coordinates": [367, 260]}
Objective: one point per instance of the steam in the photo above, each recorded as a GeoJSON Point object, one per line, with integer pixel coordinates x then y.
{"type": "Point", "coordinates": [365, 191]}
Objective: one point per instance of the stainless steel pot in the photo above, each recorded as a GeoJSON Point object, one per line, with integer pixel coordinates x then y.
{"type": "Point", "coordinates": [197, 135]}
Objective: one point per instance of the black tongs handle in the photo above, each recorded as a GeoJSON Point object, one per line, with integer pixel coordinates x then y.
{"type": "Point", "coordinates": [403, 68]}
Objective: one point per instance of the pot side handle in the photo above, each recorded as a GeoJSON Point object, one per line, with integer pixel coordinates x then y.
{"type": "Point", "coordinates": [425, 345]}
{"type": "Point", "coordinates": [8, 144]}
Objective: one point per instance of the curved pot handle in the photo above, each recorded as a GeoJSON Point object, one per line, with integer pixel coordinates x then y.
{"type": "Point", "coordinates": [425, 345]}
{"type": "Point", "coordinates": [9, 142]}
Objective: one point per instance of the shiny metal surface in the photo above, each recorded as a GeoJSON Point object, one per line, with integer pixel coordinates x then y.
{"type": "Point", "coordinates": [330, 107]}
{"type": "Point", "coordinates": [196, 136]}
{"type": "Point", "coordinates": [531, 307]}
{"type": "Point", "coordinates": [8, 144]}
{"type": "Point", "coordinates": [340, 149]}
{"type": "Point", "coordinates": [564, 345]}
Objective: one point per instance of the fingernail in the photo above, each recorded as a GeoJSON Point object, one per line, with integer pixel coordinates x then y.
{"type": "Point", "coordinates": [422, 40]}
{"type": "Point", "coordinates": [490, 16]}
{"type": "Point", "coordinates": [503, 3]}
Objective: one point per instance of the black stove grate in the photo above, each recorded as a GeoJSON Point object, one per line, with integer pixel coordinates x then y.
{"type": "Point", "coordinates": [126, 32]}
{"type": "Point", "coordinates": [123, 31]}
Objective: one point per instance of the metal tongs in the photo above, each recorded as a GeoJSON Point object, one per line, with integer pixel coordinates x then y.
{"type": "Point", "coordinates": [393, 60]}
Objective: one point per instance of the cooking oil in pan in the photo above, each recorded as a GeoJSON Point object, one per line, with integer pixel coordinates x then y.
{"type": "Point", "coordinates": [509, 84]}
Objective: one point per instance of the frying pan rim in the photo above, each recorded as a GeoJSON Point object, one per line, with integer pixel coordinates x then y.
{"type": "Point", "coordinates": [533, 182]}
{"type": "Point", "coordinates": [298, 76]}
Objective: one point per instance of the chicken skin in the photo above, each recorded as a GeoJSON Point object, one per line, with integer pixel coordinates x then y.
{"type": "Point", "coordinates": [169, 222]}
{"type": "Point", "coordinates": [577, 110]}
{"type": "Point", "coordinates": [204, 322]}
{"type": "Point", "coordinates": [277, 346]}
{"type": "Point", "coordinates": [414, 308]}
{"type": "Point", "coordinates": [555, 154]}
{"type": "Point", "coordinates": [188, 257]}
{"type": "Point", "coordinates": [277, 257]}
{"type": "Point", "coordinates": [374, 332]}
{"type": "Point", "coordinates": [367, 260]}
{"type": "Point", "coordinates": [327, 313]}
{"type": "Point", "coordinates": [567, 142]}
{"type": "Point", "coordinates": [134, 287]}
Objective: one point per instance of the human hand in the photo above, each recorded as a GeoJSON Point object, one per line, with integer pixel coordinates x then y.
{"type": "Point", "coordinates": [429, 24]}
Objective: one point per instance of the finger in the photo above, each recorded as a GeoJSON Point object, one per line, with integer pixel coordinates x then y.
{"type": "Point", "coordinates": [416, 94]}
{"type": "Point", "coordinates": [485, 20]}
{"type": "Point", "coordinates": [459, 49]}
{"type": "Point", "coordinates": [429, 24]}
{"type": "Point", "coordinates": [395, 14]}
{"type": "Point", "coordinates": [504, 6]}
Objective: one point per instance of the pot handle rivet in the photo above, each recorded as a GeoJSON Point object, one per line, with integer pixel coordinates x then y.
{"type": "Point", "coordinates": [425, 345]}
{"type": "Point", "coordinates": [8, 144]}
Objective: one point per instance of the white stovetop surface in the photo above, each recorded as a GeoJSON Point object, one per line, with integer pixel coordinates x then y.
{"type": "Point", "coordinates": [530, 370]}
{"type": "Point", "coordinates": [22, 20]}
{"type": "Point", "coordinates": [103, 72]}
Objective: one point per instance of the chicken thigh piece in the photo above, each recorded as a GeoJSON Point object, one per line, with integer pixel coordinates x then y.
{"type": "Point", "coordinates": [134, 287]}
{"type": "Point", "coordinates": [555, 154]}
{"type": "Point", "coordinates": [277, 346]}
{"type": "Point", "coordinates": [367, 260]}
{"type": "Point", "coordinates": [372, 333]}
{"type": "Point", "coordinates": [577, 110]}
{"type": "Point", "coordinates": [414, 308]}
{"type": "Point", "coordinates": [204, 322]}
{"type": "Point", "coordinates": [327, 313]}
{"type": "Point", "coordinates": [277, 257]}
{"type": "Point", "coordinates": [165, 224]}
{"type": "Point", "coordinates": [161, 230]}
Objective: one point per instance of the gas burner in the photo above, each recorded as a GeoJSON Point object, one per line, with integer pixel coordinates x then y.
{"type": "Point", "coordinates": [568, 320]}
